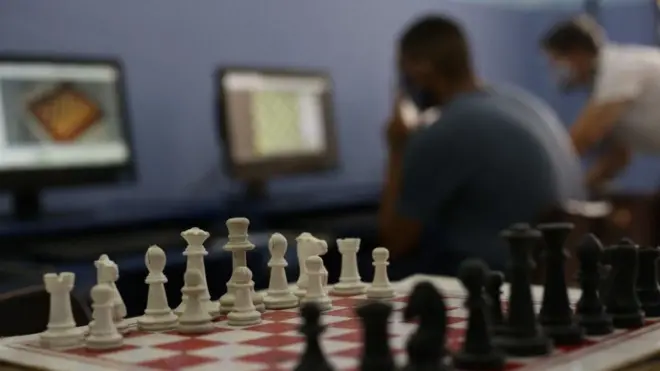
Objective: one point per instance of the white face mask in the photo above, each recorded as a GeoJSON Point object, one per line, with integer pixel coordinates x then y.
{"type": "Point", "coordinates": [564, 75]}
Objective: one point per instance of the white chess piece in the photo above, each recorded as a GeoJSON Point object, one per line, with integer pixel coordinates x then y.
{"type": "Point", "coordinates": [238, 244]}
{"type": "Point", "coordinates": [381, 287]}
{"type": "Point", "coordinates": [107, 272]}
{"type": "Point", "coordinates": [323, 247]}
{"type": "Point", "coordinates": [196, 253]}
{"type": "Point", "coordinates": [279, 295]}
{"type": "Point", "coordinates": [62, 332]}
{"type": "Point", "coordinates": [315, 291]}
{"type": "Point", "coordinates": [196, 318]}
{"type": "Point", "coordinates": [244, 312]}
{"type": "Point", "coordinates": [350, 282]}
{"type": "Point", "coordinates": [103, 333]}
{"type": "Point", "coordinates": [306, 246]}
{"type": "Point", "coordinates": [157, 316]}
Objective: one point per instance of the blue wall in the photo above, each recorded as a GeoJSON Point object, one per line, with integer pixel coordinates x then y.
{"type": "Point", "coordinates": [171, 48]}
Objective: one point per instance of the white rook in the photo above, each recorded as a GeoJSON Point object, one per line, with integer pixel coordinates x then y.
{"type": "Point", "coordinates": [62, 331]}
{"type": "Point", "coordinates": [350, 282]}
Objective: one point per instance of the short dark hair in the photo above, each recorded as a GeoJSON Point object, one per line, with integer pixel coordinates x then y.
{"type": "Point", "coordinates": [440, 40]}
{"type": "Point", "coordinates": [580, 34]}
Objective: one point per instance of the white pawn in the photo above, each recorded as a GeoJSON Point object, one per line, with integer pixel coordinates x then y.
{"type": "Point", "coordinates": [350, 282]}
{"type": "Point", "coordinates": [380, 288]}
{"type": "Point", "coordinates": [279, 295]}
{"type": "Point", "coordinates": [258, 299]}
{"type": "Point", "coordinates": [62, 332]}
{"type": "Point", "coordinates": [244, 312]}
{"type": "Point", "coordinates": [315, 291]}
{"type": "Point", "coordinates": [195, 318]}
{"type": "Point", "coordinates": [103, 333]}
{"type": "Point", "coordinates": [158, 316]}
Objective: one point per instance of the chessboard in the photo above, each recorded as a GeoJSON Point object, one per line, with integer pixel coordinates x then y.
{"type": "Point", "coordinates": [275, 343]}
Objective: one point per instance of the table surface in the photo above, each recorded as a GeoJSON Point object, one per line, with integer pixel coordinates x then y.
{"type": "Point", "coordinates": [634, 354]}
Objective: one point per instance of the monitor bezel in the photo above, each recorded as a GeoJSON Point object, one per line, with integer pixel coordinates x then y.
{"type": "Point", "coordinates": [17, 179]}
{"type": "Point", "coordinates": [277, 166]}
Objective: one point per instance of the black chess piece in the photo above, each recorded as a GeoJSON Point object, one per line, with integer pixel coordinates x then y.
{"type": "Point", "coordinates": [478, 352]}
{"type": "Point", "coordinates": [524, 337]}
{"type": "Point", "coordinates": [493, 290]}
{"type": "Point", "coordinates": [648, 290]}
{"type": "Point", "coordinates": [622, 301]}
{"type": "Point", "coordinates": [312, 358]}
{"type": "Point", "coordinates": [590, 311]}
{"type": "Point", "coordinates": [376, 352]}
{"type": "Point", "coordinates": [426, 346]}
{"type": "Point", "coordinates": [556, 315]}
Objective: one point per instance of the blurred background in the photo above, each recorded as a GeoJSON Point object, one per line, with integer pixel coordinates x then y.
{"type": "Point", "coordinates": [166, 56]}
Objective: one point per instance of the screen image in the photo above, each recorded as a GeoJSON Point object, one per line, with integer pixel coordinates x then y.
{"type": "Point", "coordinates": [60, 115]}
{"type": "Point", "coordinates": [274, 116]}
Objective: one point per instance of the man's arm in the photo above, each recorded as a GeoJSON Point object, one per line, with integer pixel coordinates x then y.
{"type": "Point", "coordinates": [608, 166]}
{"type": "Point", "coordinates": [616, 87]}
{"type": "Point", "coordinates": [595, 123]}
{"type": "Point", "coordinates": [398, 233]}
{"type": "Point", "coordinates": [420, 180]}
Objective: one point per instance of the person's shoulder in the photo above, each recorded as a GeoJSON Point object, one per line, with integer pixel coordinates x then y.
{"type": "Point", "coordinates": [617, 58]}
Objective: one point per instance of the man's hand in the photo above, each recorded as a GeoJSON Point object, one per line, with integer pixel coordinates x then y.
{"type": "Point", "coordinates": [397, 132]}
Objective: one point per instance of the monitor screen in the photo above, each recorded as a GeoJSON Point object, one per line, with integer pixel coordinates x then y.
{"type": "Point", "coordinates": [275, 116]}
{"type": "Point", "coordinates": [61, 115]}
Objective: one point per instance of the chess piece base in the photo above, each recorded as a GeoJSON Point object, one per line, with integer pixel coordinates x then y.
{"type": "Point", "coordinates": [380, 292]}
{"type": "Point", "coordinates": [492, 361]}
{"type": "Point", "coordinates": [123, 327]}
{"type": "Point", "coordinates": [226, 303]}
{"type": "Point", "coordinates": [104, 343]}
{"type": "Point", "coordinates": [570, 334]}
{"type": "Point", "coordinates": [281, 301]}
{"type": "Point", "coordinates": [348, 288]}
{"type": "Point", "coordinates": [161, 322]}
{"type": "Point", "coordinates": [201, 327]}
{"type": "Point", "coordinates": [595, 325]}
{"type": "Point", "coordinates": [324, 302]}
{"type": "Point", "coordinates": [300, 292]}
{"type": "Point", "coordinates": [628, 321]}
{"type": "Point", "coordinates": [71, 338]}
{"type": "Point", "coordinates": [261, 307]}
{"type": "Point", "coordinates": [520, 346]}
{"type": "Point", "coordinates": [244, 318]}
{"type": "Point", "coordinates": [651, 310]}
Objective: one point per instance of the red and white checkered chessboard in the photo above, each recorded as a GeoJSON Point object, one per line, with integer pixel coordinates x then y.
{"type": "Point", "coordinates": [275, 345]}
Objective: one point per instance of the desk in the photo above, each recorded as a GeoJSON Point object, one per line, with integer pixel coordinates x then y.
{"type": "Point", "coordinates": [617, 352]}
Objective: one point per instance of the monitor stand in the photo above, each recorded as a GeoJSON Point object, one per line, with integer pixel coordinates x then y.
{"type": "Point", "coordinates": [26, 204]}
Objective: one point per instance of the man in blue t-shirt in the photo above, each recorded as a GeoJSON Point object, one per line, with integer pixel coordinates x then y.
{"type": "Point", "coordinates": [493, 158]}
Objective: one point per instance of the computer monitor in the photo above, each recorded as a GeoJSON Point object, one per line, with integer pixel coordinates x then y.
{"type": "Point", "coordinates": [63, 122]}
{"type": "Point", "coordinates": [275, 122]}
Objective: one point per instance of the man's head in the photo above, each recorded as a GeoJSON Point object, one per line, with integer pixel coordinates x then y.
{"type": "Point", "coordinates": [572, 47]}
{"type": "Point", "coordinates": [435, 60]}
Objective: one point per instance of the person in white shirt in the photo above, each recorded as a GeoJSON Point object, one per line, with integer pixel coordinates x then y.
{"type": "Point", "coordinates": [623, 111]}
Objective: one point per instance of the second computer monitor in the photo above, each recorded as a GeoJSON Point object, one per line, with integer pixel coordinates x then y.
{"type": "Point", "coordinates": [276, 122]}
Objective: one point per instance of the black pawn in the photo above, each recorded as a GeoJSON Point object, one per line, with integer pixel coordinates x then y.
{"type": "Point", "coordinates": [426, 346]}
{"type": "Point", "coordinates": [622, 301]}
{"type": "Point", "coordinates": [523, 337]}
{"type": "Point", "coordinates": [647, 282]}
{"type": "Point", "coordinates": [478, 352]}
{"type": "Point", "coordinates": [376, 352]}
{"type": "Point", "coordinates": [493, 289]}
{"type": "Point", "coordinates": [556, 315]}
{"type": "Point", "coordinates": [313, 358]}
{"type": "Point", "coordinates": [590, 311]}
